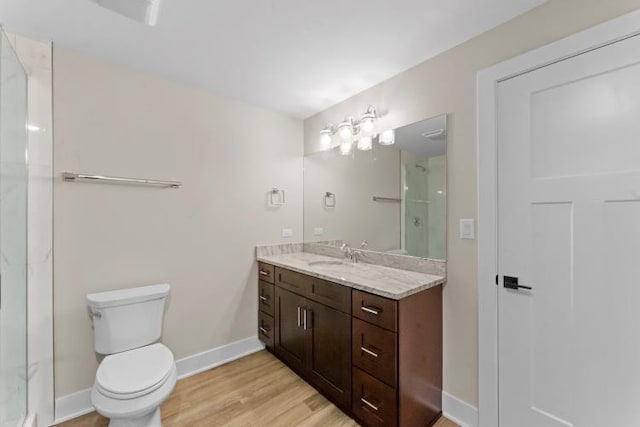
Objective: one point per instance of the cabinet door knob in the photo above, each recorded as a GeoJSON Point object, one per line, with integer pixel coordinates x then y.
{"type": "Point", "coordinates": [264, 273]}
{"type": "Point", "coordinates": [264, 331]}
{"type": "Point", "coordinates": [263, 298]}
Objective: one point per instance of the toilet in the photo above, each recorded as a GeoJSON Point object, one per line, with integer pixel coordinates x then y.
{"type": "Point", "coordinates": [138, 374]}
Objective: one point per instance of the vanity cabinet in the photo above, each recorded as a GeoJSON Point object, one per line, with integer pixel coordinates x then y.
{"type": "Point", "coordinates": [378, 359]}
{"type": "Point", "coordinates": [315, 340]}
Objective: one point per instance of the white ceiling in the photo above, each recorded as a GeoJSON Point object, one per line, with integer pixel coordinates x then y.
{"type": "Point", "coordinates": [294, 56]}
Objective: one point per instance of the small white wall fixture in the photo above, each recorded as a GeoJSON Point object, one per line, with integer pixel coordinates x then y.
{"type": "Point", "coordinates": [599, 36]}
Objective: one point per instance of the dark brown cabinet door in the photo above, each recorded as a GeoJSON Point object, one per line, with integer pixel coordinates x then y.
{"type": "Point", "coordinates": [329, 351]}
{"type": "Point", "coordinates": [290, 337]}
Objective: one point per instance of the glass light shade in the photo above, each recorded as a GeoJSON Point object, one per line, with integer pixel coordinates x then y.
{"type": "Point", "coordinates": [345, 130]}
{"type": "Point", "coordinates": [388, 137]}
{"type": "Point", "coordinates": [345, 148]}
{"type": "Point", "coordinates": [365, 143]}
{"type": "Point", "coordinates": [368, 124]}
{"type": "Point", "coordinates": [325, 139]}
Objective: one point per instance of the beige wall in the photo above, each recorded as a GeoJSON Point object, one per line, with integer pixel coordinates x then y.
{"type": "Point", "coordinates": [200, 238]}
{"type": "Point", "coordinates": [447, 84]}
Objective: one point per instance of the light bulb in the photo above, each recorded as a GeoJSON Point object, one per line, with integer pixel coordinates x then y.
{"type": "Point", "coordinates": [345, 130]}
{"type": "Point", "coordinates": [365, 143]}
{"type": "Point", "coordinates": [325, 139]}
{"type": "Point", "coordinates": [368, 120]}
{"type": "Point", "coordinates": [345, 148]}
{"type": "Point", "coordinates": [367, 124]}
{"type": "Point", "coordinates": [388, 137]}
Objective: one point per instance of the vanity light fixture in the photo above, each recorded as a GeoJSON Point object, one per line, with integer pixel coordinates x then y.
{"type": "Point", "coordinates": [368, 121]}
{"type": "Point", "coordinates": [388, 137]}
{"type": "Point", "coordinates": [349, 129]}
{"type": "Point", "coordinates": [365, 143]}
{"type": "Point", "coordinates": [345, 148]}
{"type": "Point", "coordinates": [325, 138]}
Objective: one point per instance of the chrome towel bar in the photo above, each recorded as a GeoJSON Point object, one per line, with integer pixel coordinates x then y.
{"type": "Point", "coordinates": [386, 199]}
{"type": "Point", "coordinates": [72, 177]}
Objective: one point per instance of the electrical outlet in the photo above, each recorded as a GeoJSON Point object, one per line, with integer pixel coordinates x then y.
{"type": "Point", "coordinates": [287, 232]}
{"type": "Point", "coordinates": [318, 231]}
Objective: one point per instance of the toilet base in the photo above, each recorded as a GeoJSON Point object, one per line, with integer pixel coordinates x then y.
{"type": "Point", "coordinates": [152, 419]}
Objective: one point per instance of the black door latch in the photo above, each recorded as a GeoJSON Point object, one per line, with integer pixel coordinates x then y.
{"type": "Point", "coordinates": [512, 283]}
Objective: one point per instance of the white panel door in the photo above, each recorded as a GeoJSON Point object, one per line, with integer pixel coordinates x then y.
{"type": "Point", "coordinates": [569, 228]}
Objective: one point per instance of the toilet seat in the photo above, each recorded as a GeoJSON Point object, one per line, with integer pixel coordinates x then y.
{"type": "Point", "coordinates": [135, 373]}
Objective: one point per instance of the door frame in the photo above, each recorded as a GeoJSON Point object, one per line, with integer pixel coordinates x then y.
{"type": "Point", "coordinates": [487, 80]}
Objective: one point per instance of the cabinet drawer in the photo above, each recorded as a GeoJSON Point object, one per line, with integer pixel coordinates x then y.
{"type": "Point", "coordinates": [373, 402]}
{"type": "Point", "coordinates": [374, 351]}
{"type": "Point", "coordinates": [294, 282]}
{"type": "Point", "coordinates": [266, 329]}
{"type": "Point", "coordinates": [266, 272]}
{"type": "Point", "coordinates": [266, 298]}
{"type": "Point", "coordinates": [331, 294]}
{"type": "Point", "coordinates": [375, 309]}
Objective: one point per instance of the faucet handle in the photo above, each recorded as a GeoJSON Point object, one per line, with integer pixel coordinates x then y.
{"type": "Point", "coordinates": [364, 244]}
{"type": "Point", "coordinates": [345, 247]}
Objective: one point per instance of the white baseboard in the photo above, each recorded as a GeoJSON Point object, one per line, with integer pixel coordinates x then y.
{"type": "Point", "coordinates": [192, 365]}
{"type": "Point", "coordinates": [73, 405]}
{"type": "Point", "coordinates": [459, 411]}
{"type": "Point", "coordinates": [30, 421]}
{"type": "Point", "coordinates": [79, 403]}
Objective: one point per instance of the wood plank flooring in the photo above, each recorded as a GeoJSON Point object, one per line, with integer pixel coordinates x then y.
{"type": "Point", "coordinates": [257, 390]}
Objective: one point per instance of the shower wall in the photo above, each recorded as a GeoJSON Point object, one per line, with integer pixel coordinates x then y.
{"type": "Point", "coordinates": [13, 237]}
{"type": "Point", "coordinates": [36, 58]}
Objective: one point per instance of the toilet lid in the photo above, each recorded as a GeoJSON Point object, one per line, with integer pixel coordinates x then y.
{"type": "Point", "coordinates": [135, 372]}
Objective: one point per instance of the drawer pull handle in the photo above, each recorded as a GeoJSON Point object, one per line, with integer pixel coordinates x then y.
{"type": "Point", "coordinates": [299, 316]}
{"type": "Point", "coordinates": [369, 404]}
{"type": "Point", "coordinates": [369, 352]}
{"type": "Point", "coordinates": [264, 273]}
{"type": "Point", "coordinates": [263, 298]}
{"type": "Point", "coordinates": [370, 310]}
{"type": "Point", "coordinates": [264, 331]}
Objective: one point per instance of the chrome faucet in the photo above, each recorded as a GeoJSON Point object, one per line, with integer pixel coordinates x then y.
{"type": "Point", "coordinates": [346, 249]}
{"type": "Point", "coordinates": [350, 254]}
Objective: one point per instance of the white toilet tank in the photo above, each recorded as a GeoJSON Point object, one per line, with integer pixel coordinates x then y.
{"type": "Point", "coordinates": [127, 318]}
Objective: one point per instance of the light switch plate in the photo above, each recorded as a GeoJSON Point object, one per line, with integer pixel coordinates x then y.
{"type": "Point", "coordinates": [318, 231]}
{"type": "Point", "coordinates": [287, 232]}
{"type": "Point", "coordinates": [467, 229]}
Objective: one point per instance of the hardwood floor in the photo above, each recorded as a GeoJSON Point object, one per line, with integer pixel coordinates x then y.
{"type": "Point", "coordinates": [257, 390]}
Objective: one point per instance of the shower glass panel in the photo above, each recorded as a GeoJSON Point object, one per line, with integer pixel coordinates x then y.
{"type": "Point", "coordinates": [425, 207]}
{"type": "Point", "coordinates": [13, 237]}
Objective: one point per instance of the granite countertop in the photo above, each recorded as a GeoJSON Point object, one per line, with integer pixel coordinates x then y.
{"type": "Point", "coordinates": [384, 281]}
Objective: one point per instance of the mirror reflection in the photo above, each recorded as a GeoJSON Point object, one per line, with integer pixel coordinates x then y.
{"type": "Point", "coordinates": [388, 198]}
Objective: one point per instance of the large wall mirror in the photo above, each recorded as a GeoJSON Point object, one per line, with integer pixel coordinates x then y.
{"type": "Point", "coordinates": [393, 197]}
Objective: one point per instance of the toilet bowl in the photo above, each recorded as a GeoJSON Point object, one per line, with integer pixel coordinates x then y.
{"type": "Point", "coordinates": [138, 374]}
{"type": "Point", "coordinates": [130, 386]}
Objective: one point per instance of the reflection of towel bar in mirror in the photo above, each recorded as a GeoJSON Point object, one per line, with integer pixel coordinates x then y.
{"type": "Point", "coordinates": [72, 177]}
{"type": "Point", "coordinates": [329, 200]}
{"type": "Point", "coordinates": [386, 199]}
{"type": "Point", "coordinates": [276, 197]}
